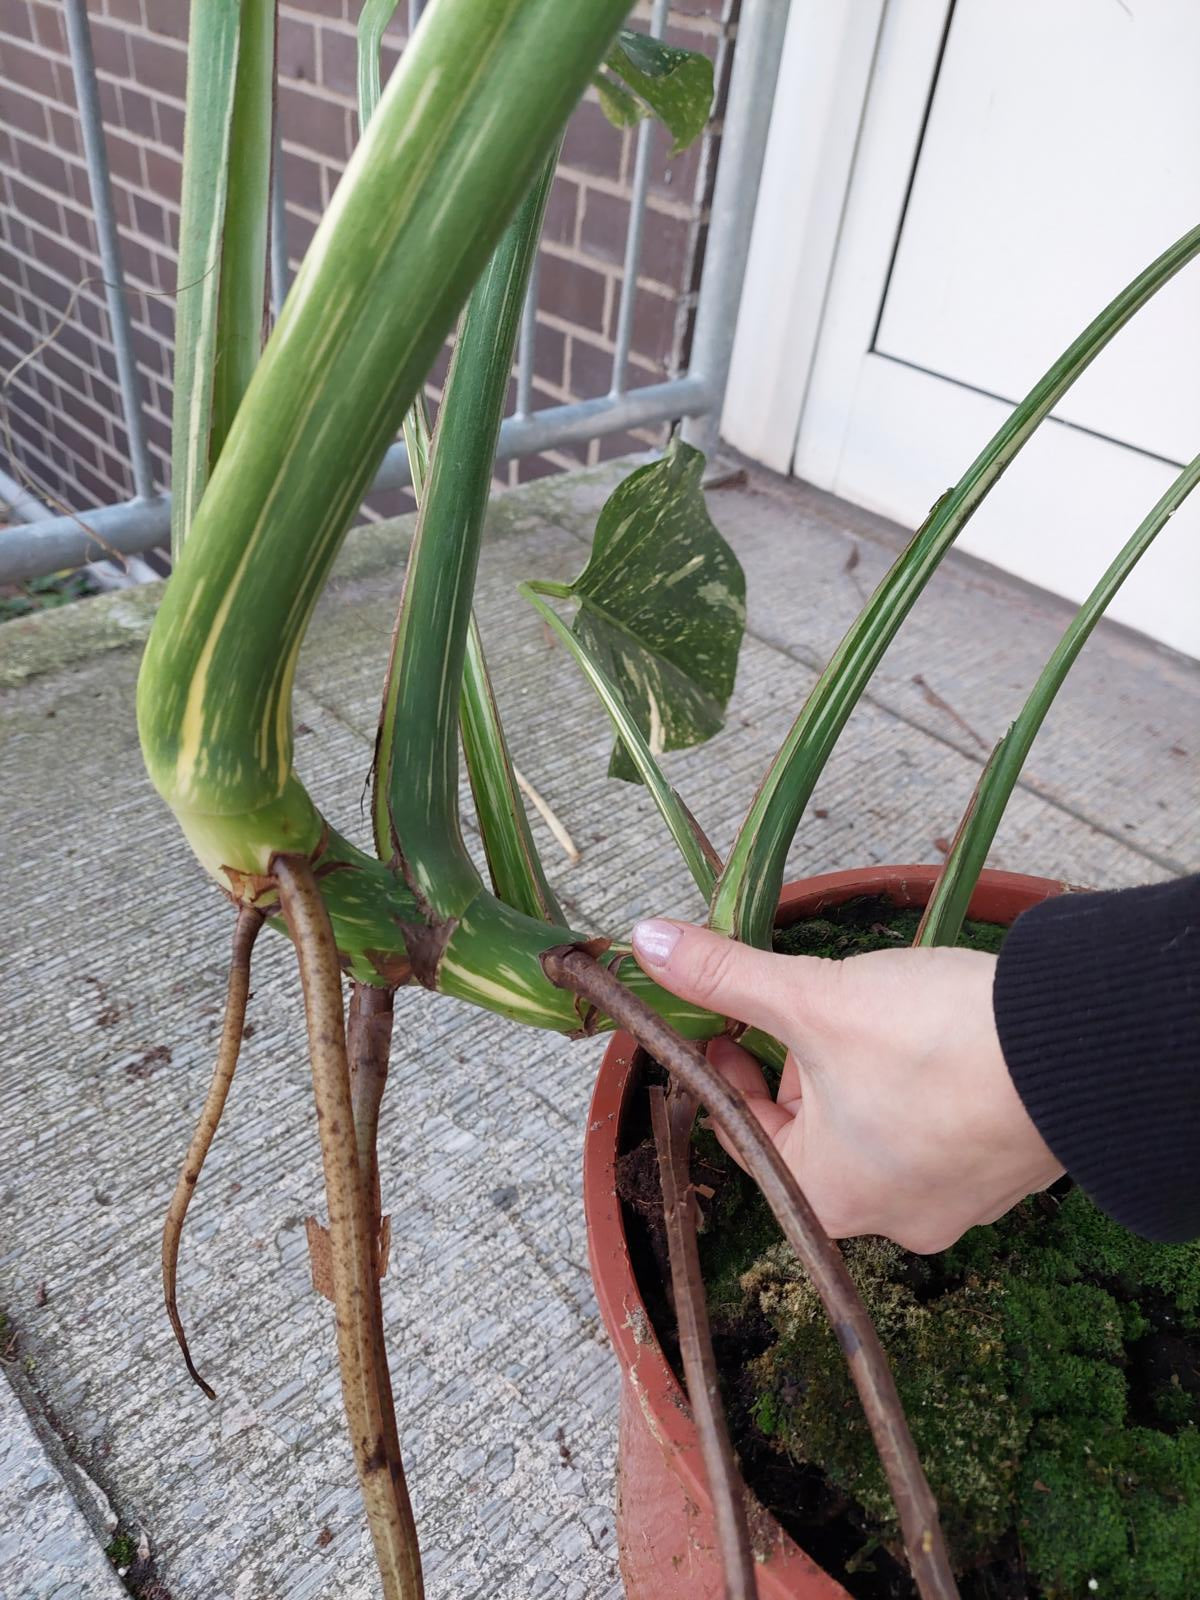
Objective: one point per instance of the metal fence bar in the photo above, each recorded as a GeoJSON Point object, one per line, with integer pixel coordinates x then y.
{"type": "Point", "coordinates": [279, 249]}
{"type": "Point", "coordinates": [83, 68]}
{"type": "Point", "coordinates": [21, 504]}
{"type": "Point", "coordinates": [633, 240]}
{"type": "Point", "coordinates": [757, 51]}
{"type": "Point", "coordinates": [59, 542]}
{"type": "Point", "coordinates": [527, 349]}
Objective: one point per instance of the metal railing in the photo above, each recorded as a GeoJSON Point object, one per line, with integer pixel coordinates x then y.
{"type": "Point", "coordinates": [44, 542]}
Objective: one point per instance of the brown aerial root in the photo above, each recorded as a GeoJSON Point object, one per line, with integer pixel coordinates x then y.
{"type": "Point", "coordinates": [353, 1232]}
{"type": "Point", "coordinates": [369, 1041]}
{"type": "Point", "coordinates": [245, 932]}
{"type": "Point", "coordinates": [569, 967]}
{"type": "Point", "coordinates": [673, 1114]}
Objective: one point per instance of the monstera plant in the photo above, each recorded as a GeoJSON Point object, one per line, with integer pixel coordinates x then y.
{"type": "Point", "coordinates": [275, 447]}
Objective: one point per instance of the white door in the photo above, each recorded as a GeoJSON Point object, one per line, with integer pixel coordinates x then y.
{"type": "Point", "coordinates": [1018, 161]}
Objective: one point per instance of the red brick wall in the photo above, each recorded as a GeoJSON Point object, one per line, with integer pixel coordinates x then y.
{"type": "Point", "coordinates": [65, 434]}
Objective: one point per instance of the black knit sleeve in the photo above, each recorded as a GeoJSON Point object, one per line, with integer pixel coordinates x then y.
{"type": "Point", "coordinates": [1097, 1001]}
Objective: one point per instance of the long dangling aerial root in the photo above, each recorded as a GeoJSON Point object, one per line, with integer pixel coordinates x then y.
{"type": "Point", "coordinates": [672, 1113]}
{"type": "Point", "coordinates": [353, 1225]}
{"type": "Point", "coordinates": [245, 932]}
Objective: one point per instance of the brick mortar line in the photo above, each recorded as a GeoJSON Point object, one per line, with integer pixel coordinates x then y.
{"type": "Point", "coordinates": [662, 205]}
{"type": "Point", "coordinates": [553, 320]}
{"type": "Point", "coordinates": [17, 379]}
{"type": "Point", "coordinates": [72, 111]}
{"type": "Point", "coordinates": [68, 356]}
{"type": "Point", "coordinates": [119, 490]}
{"type": "Point", "coordinates": [613, 271]}
{"type": "Point", "coordinates": [85, 288]}
{"type": "Point", "coordinates": [68, 200]}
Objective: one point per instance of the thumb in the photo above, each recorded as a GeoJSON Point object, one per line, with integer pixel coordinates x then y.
{"type": "Point", "coordinates": [778, 993]}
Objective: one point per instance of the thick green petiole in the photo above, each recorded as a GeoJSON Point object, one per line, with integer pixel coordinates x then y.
{"type": "Point", "coordinates": [417, 824]}
{"type": "Point", "coordinates": [373, 18]}
{"type": "Point", "coordinates": [372, 21]}
{"type": "Point", "coordinates": [242, 308]}
{"type": "Point", "coordinates": [468, 118]}
{"type": "Point", "coordinates": [746, 896]}
{"type": "Point", "coordinates": [947, 907]}
{"type": "Point", "coordinates": [226, 57]}
{"type": "Point", "coordinates": [516, 870]}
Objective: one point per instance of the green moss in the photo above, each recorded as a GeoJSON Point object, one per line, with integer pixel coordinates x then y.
{"type": "Point", "coordinates": [1112, 1507]}
{"type": "Point", "coordinates": [1017, 1388]}
{"type": "Point", "coordinates": [122, 1550]}
{"type": "Point", "coordinates": [870, 924]}
{"type": "Point", "coordinates": [1046, 1364]}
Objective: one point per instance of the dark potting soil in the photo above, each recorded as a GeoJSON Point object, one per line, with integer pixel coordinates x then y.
{"type": "Point", "coordinates": [1049, 1366]}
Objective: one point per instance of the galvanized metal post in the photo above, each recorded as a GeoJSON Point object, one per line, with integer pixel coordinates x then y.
{"type": "Point", "coordinates": [527, 349]}
{"type": "Point", "coordinates": [633, 240]}
{"type": "Point", "coordinates": [279, 249]}
{"type": "Point", "coordinates": [757, 51]}
{"type": "Point", "coordinates": [56, 542]}
{"type": "Point", "coordinates": [83, 67]}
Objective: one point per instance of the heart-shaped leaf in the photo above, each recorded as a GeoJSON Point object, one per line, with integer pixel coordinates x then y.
{"type": "Point", "coordinates": [662, 605]}
{"type": "Point", "coordinates": [674, 85]}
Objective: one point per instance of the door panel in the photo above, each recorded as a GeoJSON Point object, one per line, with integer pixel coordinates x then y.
{"type": "Point", "coordinates": [1062, 153]}
{"type": "Point", "coordinates": [988, 218]}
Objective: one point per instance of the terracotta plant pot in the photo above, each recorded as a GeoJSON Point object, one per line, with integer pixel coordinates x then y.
{"type": "Point", "coordinates": [665, 1532]}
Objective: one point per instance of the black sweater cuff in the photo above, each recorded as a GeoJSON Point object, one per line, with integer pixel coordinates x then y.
{"type": "Point", "coordinates": [1097, 1002]}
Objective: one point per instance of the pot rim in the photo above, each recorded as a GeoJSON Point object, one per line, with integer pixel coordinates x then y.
{"type": "Point", "coordinates": [998, 897]}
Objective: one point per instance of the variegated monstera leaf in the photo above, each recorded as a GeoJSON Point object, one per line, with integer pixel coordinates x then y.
{"type": "Point", "coordinates": [662, 605]}
{"type": "Point", "coordinates": [647, 78]}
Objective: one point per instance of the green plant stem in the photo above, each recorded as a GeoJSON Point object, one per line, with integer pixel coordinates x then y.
{"type": "Point", "coordinates": [947, 906]}
{"type": "Point", "coordinates": [372, 22]}
{"type": "Point", "coordinates": [417, 824]}
{"type": "Point", "coordinates": [373, 19]}
{"type": "Point", "coordinates": [468, 117]}
{"type": "Point", "coordinates": [353, 1243]}
{"type": "Point", "coordinates": [211, 89]}
{"type": "Point", "coordinates": [673, 813]}
{"type": "Point", "coordinates": [418, 443]}
{"type": "Point", "coordinates": [514, 865]}
{"type": "Point", "coordinates": [242, 306]}
{"type": "Point", "coordinates": [747, 894]}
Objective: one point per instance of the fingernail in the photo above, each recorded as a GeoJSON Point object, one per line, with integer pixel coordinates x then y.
{"type": "Point", "coordinates": [654, 941]}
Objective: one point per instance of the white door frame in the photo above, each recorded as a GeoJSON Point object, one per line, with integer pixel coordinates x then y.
{"type": "Point", "coordinates": [809, 394]}
{"type": "Point", "coordinates": [824, 78]}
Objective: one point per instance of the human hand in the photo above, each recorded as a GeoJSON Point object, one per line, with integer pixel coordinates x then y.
{"type": "Point", "coordinates": [896, 1112]}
